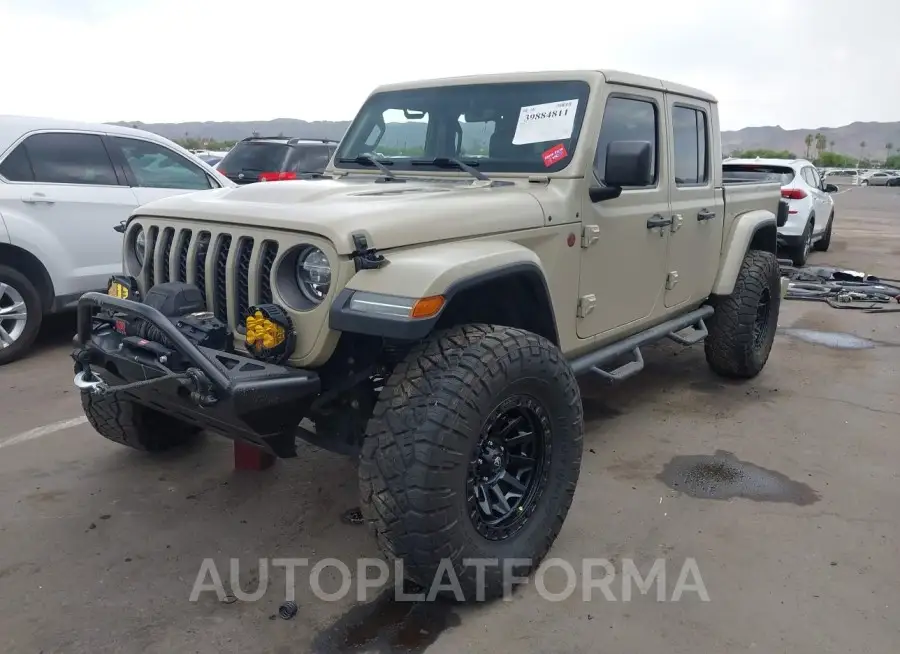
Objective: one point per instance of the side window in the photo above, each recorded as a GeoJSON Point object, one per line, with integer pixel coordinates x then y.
{"type": "Point", "coordinates": [70, 158]}
{"type": "Point", "coordinates": [16, 167]}
{"type": "Point", "coordinates": [810, 176]}
{"type": "Point", "coordinates": [156, 166]}
{"type": "Point", "coordinates": [690, 138]}
{"type": "Point", "coordinates": [814, 174]}
{"type": "Point", "coordinates": [627, 119]}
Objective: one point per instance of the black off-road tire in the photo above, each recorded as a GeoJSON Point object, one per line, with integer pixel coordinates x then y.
{"type": "Point", "coordinates": [800, 254]}
{"type": "Point", "coordinates": [741, 332]}
{"type": "Point", "coordinates": [35, 312]}
{"type": "Point", "coordinates": [420, 445]}
{"type": "Point", "coordinates": [133, 425]}
{"type": "Point", "coordinates": [824, 243]}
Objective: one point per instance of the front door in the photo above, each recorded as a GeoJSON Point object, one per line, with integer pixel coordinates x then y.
{"type": "Point", "coordinates": [624, 256]}
{"type": "Point", "coordinates": [695, 242]}
{"type": "Point", "coordinates": [154, 171]}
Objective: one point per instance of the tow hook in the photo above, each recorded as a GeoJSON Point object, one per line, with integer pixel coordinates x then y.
{"type": "Point", "coordinates": [88, 381]}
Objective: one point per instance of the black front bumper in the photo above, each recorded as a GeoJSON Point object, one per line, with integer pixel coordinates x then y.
{"type": "Point", "coordinates": [237, 396]}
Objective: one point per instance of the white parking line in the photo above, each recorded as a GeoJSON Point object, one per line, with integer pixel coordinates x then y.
{"type": "Point", "coordinates": [46, 430]}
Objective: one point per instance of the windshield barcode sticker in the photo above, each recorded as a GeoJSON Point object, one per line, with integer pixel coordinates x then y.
{"type": "Point", "coordinates": [553, 121]}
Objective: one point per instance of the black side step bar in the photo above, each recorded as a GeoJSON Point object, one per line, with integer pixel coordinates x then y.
{"type": "Point", "coordinates": [593, 361]}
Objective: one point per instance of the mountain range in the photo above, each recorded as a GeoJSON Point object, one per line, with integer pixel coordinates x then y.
{"type": "Point", "coordinates": [845, 140]}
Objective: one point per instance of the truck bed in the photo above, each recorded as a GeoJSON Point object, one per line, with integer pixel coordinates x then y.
{"type": "Point", "coordinates": [741, 196]}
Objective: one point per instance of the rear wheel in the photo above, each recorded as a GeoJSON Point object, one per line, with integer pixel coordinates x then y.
{"type": "Point", "coordinates": [742, 329]}
{"type": "Point", "coordinates": [473, 454]}
{"type": "Point", "coordinates": [824, 243]}
{"type": "Point", "coordinates": [800, 254]}
{"type": "Point", "coordinates": [21, 313]}
{"type": "Point", "coordinates": [134, 425]}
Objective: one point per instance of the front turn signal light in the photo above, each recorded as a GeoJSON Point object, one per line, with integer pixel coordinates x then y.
{"type": "Point", "coordinates": [270, 334]}
{"type": "Point", "coordinates": [427, 307]}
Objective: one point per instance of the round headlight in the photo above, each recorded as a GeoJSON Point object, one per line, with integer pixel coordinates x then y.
{"type": "Point", "coordinates": [140, 246]}
{"type": "Point", "coordinates": [313, 274]}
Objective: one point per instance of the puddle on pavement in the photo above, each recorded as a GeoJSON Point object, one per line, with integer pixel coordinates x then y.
{"type": "Point", "coordinates": [722, 476]}
{"type": "Point", "coordinates": [387, 626]}
{"type": "Point", "coordinates": [835, 340]}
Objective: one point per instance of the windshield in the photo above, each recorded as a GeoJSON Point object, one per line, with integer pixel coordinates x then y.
{"type": "Point", "coordinates": [520, 127]}
{"type": "Point", "coordinates": [256, 156]}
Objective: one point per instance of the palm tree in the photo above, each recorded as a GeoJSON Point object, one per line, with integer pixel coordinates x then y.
{"type": "Point", "coordinates": [809, 141]}
{"type": "Point", "coordinates": [831, 144]}
{"type": "Point", "coordinates": [862, 152]}
{"type": "Point", "coordinates": [890, 148]}
{"type": "Point", "coordinates": [821, 143]}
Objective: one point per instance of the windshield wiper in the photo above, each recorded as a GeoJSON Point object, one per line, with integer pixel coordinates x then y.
{"type": "Point", "coordinates": [369, 160]}
{"type": "Point", "coordinates": [452, 162]}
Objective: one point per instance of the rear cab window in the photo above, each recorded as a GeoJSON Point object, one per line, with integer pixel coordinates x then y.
{"type": "Point", "coordinates": [757, 173]}
{"type": "Point", "coordinates": [256, 157]}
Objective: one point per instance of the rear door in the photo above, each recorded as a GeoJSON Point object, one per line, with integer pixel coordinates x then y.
{"type": "Point", "coordinates": [696, 232]}
{"type": "Point", "coordinates": [623, 264]}
{"type": "Point", "coordinates": [154, 171]}
{"type": "Point", "coordinates": [65, 183]}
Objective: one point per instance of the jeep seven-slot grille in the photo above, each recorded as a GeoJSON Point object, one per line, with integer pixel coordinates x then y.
{"type": "Point", "coordinates": [217, 263]}
{"type": "Point", "coordinates": [266, 262]}
{"type": "Point", "coordinates": [168, 236]}
{"type": "Point", "coordinates": [220, 280]}
{"type": "Point", "coordinates": [242, 287]}
{"type": "Point", "coordinates": [184, 242]}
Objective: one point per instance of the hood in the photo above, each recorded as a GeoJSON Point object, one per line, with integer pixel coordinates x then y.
{"type": "Point", "coordinates": [391, 214]}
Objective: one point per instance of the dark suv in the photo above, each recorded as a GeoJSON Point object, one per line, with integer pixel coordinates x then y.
{"type": "Point", "coordinates": [275, 158]}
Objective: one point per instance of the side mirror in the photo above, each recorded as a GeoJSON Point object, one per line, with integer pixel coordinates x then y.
{"type": "Point", "coordinates": [628, 163]}
{"type": "Point", "coordinates": [120, 227]}
{"type": "Point", "coordinates": [831, 188]}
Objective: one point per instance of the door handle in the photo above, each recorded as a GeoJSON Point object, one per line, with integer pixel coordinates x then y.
{"type": "Point", "coordinates": [658, 221]}
{"type": "Point", "coordinates": [37, 198]}
{"type": "Point", "coordinates": [703, 214]}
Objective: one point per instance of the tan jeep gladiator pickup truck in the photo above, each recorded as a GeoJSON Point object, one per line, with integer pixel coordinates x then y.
{"type": "Point", "coordinates": [428, 303]}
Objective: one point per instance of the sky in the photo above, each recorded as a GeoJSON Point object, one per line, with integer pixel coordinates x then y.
{"type": "Point", "coordinates": [794, 63]}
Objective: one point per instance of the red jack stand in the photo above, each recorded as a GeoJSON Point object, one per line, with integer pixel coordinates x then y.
{"type": "Point", "coordinates": [250, 457]}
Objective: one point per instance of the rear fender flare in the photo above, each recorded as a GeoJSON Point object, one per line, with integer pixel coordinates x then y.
{"type": "Point", "coordinates": [754, 230]}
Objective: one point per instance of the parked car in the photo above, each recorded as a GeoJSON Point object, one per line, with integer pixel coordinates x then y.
{"type": "Point", "coordinates": [430, 312]}
{"type": "Point", "coordinates": [64, 186]}
{"type": "Point", "coordinates": [271, 159]}
{"type": "Point", "coordinates": [811, 212]}
{"type": "Point", "coordinates": [881, 178]}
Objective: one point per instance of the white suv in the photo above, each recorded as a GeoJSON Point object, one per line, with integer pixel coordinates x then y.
{"type": "Point", "coordinates": [64, 187]}
{"type": "Point", "coordinates": [811, 215]}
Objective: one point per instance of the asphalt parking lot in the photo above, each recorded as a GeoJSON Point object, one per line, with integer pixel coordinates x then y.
{"type": "Point", "coordinates": [100, 547]}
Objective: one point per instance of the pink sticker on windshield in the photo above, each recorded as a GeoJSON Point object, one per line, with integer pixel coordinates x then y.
{"type": "Point", "coordinates": [555, 154]}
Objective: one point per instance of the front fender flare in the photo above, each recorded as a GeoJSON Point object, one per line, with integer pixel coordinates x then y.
{"type": "Point", "coordinates": [444, 269]}
{"type": "Point", "coordinates": [754, 230]}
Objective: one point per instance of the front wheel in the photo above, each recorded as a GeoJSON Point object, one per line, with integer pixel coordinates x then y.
{"type": "Point", "coordinates": [127, 423]}
{"type": "Point", "coordinates": [471, 458]}
{"type": "Point", "coordinates": [21, 313]}
{"type": "Point", "coordinates": [742, 329]}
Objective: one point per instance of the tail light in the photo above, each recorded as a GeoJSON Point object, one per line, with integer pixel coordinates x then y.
{"type": "Point", "coordinates": [793, 193]}
{"type": "Point", "coordinates": [277, 176]}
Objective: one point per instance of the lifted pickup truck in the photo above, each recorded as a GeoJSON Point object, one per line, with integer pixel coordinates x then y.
{"type": "Point", "coordinates": [475, 245]}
